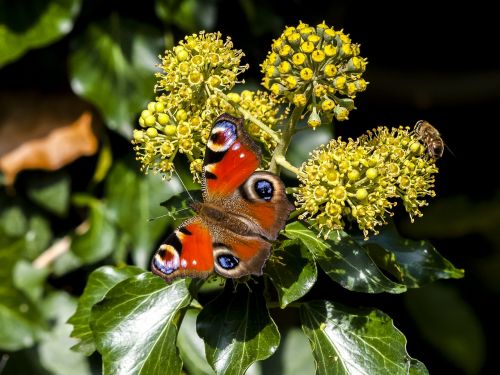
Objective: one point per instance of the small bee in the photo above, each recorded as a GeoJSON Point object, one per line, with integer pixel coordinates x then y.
{"type": "Point", "coordinates": [431, 139]}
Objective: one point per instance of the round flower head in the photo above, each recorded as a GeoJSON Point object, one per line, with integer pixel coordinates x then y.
{"type": "Point", "coordinates": [359, 180]}
{"type": "Point", "coordinates": [198, 66]}
{"type": "Point", "coordinates": [179, 121]}
{"type": "Point", "coordinates": [316, 67]}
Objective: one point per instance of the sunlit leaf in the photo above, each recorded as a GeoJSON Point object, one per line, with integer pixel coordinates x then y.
{"type": "Point", "coordinates": [135, 326]}
{"type": "Point", "coordinates": [99, 283]}
{"type": "Point", "coordinates": [191, 346]}
{"type": "Point", "coordinates": [54, 349]}
{"type": "Point", "coordinates": [99, 235]}
{"type": "Point", "coordinates": [50, 191]}
{"type": "Point", "coordinates": [344, 260]}
{"type": "Point", "coordinates": [237, 330]}
{"type": "Point", "coordinates": [112, 66]}
{"type": "Point", "coordinates": [292, 270]}
{"type": "Point", "coordinates": [348, 341]}
{"type": "Point", "coordinates": [413, 263]}
{"type": "Point", "coordinates": [449, 324]}
{"type": "Point", "coordinates": [32, 24]}
{"type": "Point", "coordinates": [133, 199]}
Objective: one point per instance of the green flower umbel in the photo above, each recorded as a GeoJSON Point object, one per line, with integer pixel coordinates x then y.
{"type": "Point", "coordinates": [317, 68]}
{"type": "Point", "coordinates": [359, 180]}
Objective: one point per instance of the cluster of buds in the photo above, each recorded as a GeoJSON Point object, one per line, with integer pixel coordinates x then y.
{"type": "Point", "coordinates": [194, 74]}
{"type": "Point", "coordinates": [360, 180]}
{"type": "Point", "coordinates": [318, 68]}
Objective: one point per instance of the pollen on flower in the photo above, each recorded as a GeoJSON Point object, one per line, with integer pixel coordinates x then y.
{"type": "Point", "coordinates": [304, 58]}
{"type": "Point", "coordinates": [361, 180]}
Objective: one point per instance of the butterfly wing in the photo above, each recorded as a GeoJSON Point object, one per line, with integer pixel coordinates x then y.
{"type": "Point", "coordinates": [186, 252]}
{"type": "Point", "coordinates": [231, 157]}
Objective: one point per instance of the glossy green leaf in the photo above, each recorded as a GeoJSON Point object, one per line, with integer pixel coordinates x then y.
{"type": "Point", "coordinates": [348, 341]}
{"type": "Point", "coordinates": [135, 326]}
{"type": "Point", "coordinates": [98, 240]}
{"type": "Point", "coordinates": [54, 349]}
{"type": "Point", "coordinates": [292, 270]}
{"type": "Point", "coordinates": [344, 260]}
{"type": "Point", "coordinates": [99, 283]}
{"type": "Point", "coordinates": [20, 322]}
{"type": "Point", "coordinates": [191, 346]}
{"type": "Point", "coordinates": [133, 199]}
{"type": "Point", "coordinates": [113, 67]}
{"type": "Point", "coordinates": [29, 279]}
{"type": "Point", "coordinates": [237, 330]}
{"type": "Point", "coordinates": [32, 24]}
{"type": "Point", "coordinates": [293, 356]}
{"type": "Point", "coordinates": [50, 191]}
{"type": "Point", "coordinates": [413, 263]}
{"type": "Point", "coordinates": [449, 324]}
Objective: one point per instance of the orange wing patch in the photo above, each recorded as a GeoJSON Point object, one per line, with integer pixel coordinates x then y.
{"type": "Point", "coordinates": [238, 163]}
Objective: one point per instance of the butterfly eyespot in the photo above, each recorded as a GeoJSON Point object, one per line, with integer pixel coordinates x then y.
{"type": "Point", "coordinates": [160, 266]}
{"type": "Point", "coordinates": [264, 189]}
{"type": "Point", "coordinates": [228, 262]}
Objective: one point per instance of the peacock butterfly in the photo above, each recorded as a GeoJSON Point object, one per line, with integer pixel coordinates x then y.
{"type": "Point", "coordinates": [242, 212]}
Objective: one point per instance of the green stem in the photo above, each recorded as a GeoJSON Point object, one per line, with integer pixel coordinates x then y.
{"type": "Point", "coordinates": [280, 151]}
{"type": "Point", "coordinates": [248, 116]}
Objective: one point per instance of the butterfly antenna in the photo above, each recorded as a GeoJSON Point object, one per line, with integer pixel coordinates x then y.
{"type": "Point", "coordinates": [184, 186]}
{"type": "Point", "coordinates": [170, 213]}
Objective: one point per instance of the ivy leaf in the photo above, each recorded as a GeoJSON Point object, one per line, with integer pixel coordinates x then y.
{"type": "Point", "coordinates": [292, 271]}
{"type": "Point", "coordinates": [113, 66]}
{"type": "Point", "coordinates": [32, 24]}
{"type": "Point", "coordinates": [291, 358]}
{"type": "Point", "coordinates": [54, 349]}
{"type": "Point", "coordinates": [191, 346]}
{"type": "Point", "coordinates": [99, 283]}
{"type": "Point", "coordinates": [344, 261]}
{"type": "Point", "coordinates": [347, 341]}
{"type": "Point", "coordinates": [414, 263]}
{"type": "Point", "coordinates": [135, 326]}
{"type": "Point", "coordinates": [50, 191]}
{"type": "Point", "coordinates": [188, 15]}
{"type": "Point", "coordinates": [29, 279]}
{"type": "Point", "coordinates": [133, 200]}
{"type": "Point", "coordinates": [237, 330]}
{"type": "Point", "coordinates": [20, 322]}
{"type": "Point", "coordinates": [99, 238]}
{"type": "Point", "coordinates": [449, 324]}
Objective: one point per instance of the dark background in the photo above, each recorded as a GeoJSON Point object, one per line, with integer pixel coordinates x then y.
{"type": "Point", "coordinates": [426, 61]}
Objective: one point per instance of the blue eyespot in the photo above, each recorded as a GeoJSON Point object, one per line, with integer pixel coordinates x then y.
{"type": "Point", "coordinates": [161, 267]}
{"type": "Point", "coordinates": [264, 189]}
{"type": "Point", "coordinates": [228, 262]}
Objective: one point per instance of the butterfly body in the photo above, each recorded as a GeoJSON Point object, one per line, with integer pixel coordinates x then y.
{"type": "Point", "coordinates": [242, 212]}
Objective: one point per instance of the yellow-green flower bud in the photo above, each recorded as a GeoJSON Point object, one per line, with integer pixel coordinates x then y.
{"type": "Point", "coordinates": [170, 129]}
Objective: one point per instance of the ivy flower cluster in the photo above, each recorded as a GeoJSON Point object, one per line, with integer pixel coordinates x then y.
{"type": "Point", "coordinates": [318, 68]}
{"type": "Point", "coordinates": [360, 179]}
{"type": "Point", "coordinates": [196, 75]}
